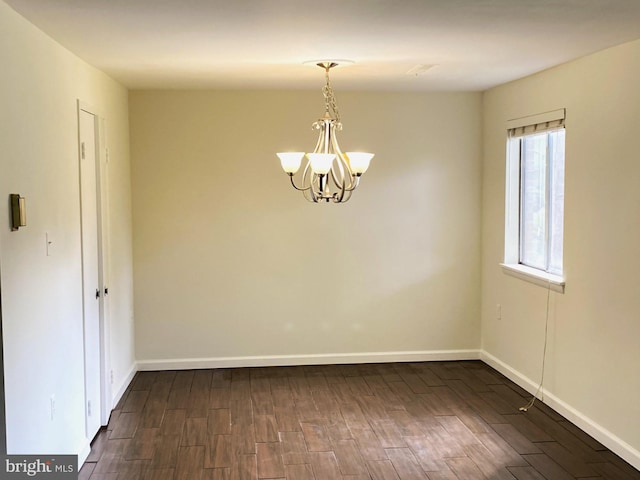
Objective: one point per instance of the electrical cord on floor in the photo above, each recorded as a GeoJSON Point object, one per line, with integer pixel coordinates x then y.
{"type": "Point", "coordinates": [544, 357]}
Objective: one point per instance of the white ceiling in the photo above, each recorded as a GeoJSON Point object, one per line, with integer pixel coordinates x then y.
{"type": "Point", "coordinates": [475, 44]}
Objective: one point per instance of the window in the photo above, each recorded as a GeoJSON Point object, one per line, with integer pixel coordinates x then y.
{"type": "Point", "coordinates": [535, 198]}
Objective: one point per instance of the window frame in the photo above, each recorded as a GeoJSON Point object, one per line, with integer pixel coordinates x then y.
{"type": "Point", "coordinates": [512, 265]}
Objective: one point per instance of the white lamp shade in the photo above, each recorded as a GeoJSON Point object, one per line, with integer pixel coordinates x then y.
{"type": "Point", "coordinates": [321, 162]}
{"type": "Point", "coordinates": [290, 161]}
{"type": "Point", "coordinates": [359, 161]}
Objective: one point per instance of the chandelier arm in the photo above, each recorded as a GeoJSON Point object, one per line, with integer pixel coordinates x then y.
{"type": "Point", "coordinates": [308, 196]}
{"type": "Point", "coordinates": [339, 178]}
{"type": "Point", "coordinates": [307, 179]}
{"type": "Point", "coordinates": [318, 126]}
{"type": "Point", "coordinates": [355, 182]}
{"type": "Point", "coordinates": [305, 190]}
{"type": "Point", "coordinates": [301, 189]}
{"type": "Point", "coordinates": [339, 161]}
{"type": "Point", "coordinates": [348, 197]}
{"type": "Point", "coordinates": [340, 196]}
{"type": "Point", "coordinates": [345, 169]}
{"type": "Point", "coordinates": [338, 152]}
{"type": "Point", "coordinates": [345, 198]}
{"type": "Point", "coordinates": [316, 194]}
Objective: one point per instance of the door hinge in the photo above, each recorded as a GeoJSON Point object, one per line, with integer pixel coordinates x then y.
{"type": "Point", "coordinates": [82, 150]}
{"type": "Point", "coordinates": [97, 293]}
{"type": "Point", "coordinates": [89, 408]}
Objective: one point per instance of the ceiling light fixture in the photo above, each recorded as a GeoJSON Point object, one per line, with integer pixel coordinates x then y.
{"type": "Point", "coordinates": [329, 175]}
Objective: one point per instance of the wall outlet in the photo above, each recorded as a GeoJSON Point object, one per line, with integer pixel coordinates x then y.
{"type": "Point", "coordinates": [498, 312]}
{"type": "Point", "coordinates": [52, 405]}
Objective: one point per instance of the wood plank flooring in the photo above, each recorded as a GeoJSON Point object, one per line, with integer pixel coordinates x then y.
{"type": "Point", "coordinates": [399, 421]}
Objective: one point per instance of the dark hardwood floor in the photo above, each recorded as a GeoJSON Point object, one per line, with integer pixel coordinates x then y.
{"type": "Point", "coordinates": [400, 421]}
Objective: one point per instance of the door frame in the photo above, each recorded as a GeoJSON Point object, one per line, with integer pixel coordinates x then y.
{"type": "Point", "coordinates": [103, 253]}
{"type": "Point", "coordinates": [3, 415]}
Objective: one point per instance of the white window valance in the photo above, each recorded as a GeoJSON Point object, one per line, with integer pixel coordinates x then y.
{"type": "Point", "coordinates": [536, 123]}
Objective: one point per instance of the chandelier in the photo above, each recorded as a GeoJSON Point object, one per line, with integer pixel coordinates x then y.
{"type": "Point", "coordinates": [328, 175]}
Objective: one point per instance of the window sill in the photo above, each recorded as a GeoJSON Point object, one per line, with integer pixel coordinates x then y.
{"type": "Point", "coordinates": [532, 275]}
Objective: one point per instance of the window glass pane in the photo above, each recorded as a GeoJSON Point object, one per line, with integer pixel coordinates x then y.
{"type": "Point", "coordinates": [533, 221]}
{"type": "Point", "coordinates": [556, 219]}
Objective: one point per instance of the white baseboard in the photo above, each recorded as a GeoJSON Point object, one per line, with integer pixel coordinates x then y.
{"type": "Point", "coordinates": [317, 359]}
{"type": "Point", "coordinates": [83, 452]}
{"type": "Point", "coordinates": [601, 434]}
{"type": "Point", "coordinates": [123, 385]}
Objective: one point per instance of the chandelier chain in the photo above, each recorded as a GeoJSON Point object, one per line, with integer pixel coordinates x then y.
{"type": "Point", "coordinates": [330, 103]}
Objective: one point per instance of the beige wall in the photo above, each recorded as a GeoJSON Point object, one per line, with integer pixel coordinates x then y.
{"type": "Point", "coordinates": [41, 295]}
{"type": "Point", "coordinates": [230, 261]}
{"type": "Point", "coordinates": [593, 353]}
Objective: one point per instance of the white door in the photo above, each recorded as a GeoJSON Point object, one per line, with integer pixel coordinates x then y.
{"type": "Point", "coordinates": [91, 285]}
